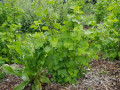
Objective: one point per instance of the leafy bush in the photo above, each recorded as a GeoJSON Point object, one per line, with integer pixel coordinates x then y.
{"type": "Point", "coordinates": [28, 8]}
{"type": "Point", "coordinates": [89, 8]}
{"type": "Point", "coordinates": [61, 52]}
{"type": "Point", "coordinates": [2, 14]}
{"type": "Point", "coordinates": [8, 29]}
{"type": "Point", "coordinates": [108, 32]}
{"type": "Point", "coordinates": [112, 46]}
{"type": "Point", "coordinates": [59, 49]}
{"type": "Point", "coordinates": [101, 10]}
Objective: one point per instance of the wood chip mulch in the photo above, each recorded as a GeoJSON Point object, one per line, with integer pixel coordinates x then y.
{"type": "Point", "coordinates": [105, 75]}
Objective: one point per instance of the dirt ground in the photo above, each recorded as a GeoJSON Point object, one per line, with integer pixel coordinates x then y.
{"type": "Point", "coordinates": [105, 75]}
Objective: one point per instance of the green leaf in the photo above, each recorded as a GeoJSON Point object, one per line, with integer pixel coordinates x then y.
{"type": "Point", "coordinates": [87, 32]}
{"type": "Point", "coordinates": [110, 8]}
{"type": "Point", "coordinates": [25, 76]}
{"type": "Point", "coordinates": [32, 26]}
{"type": "Point", "coordinates": [95, 57]}
{"type": "Point", "coordinates": [56, 25]}
{"type": "Point", "coordinates": [11, 70]}
{"type": "Point", "coordinates": [47, 49]}
{"type": "Point", "coordinates": [54, 42]}
{"type": "Point", "coordinates": [68, 78]}
{"type": "Point", "coordinates": [98, 46]}
{"type": "Point", "coordinates": [66, 44]}
{"type": "Point", "coordinates": [45, 28]}
{"type": "Point", "coordinates": [119, 54]}
{"type": "Point", "coordinates": [44, 79]}
{"type": "Point", "coordinates": [8, 69]}
{"type": "Point", "coordinates": [80, 51]}
{"type": "Point", "coordinates": [21, 86]}
{"type": "Point", "coordinates": [2, 62]}
{"type": "Point", "coordinates": [36, 86]}
{"type": "Point", "coordinates": [73, 81]}
{"type": "Point", "coordinates": [36, 23]}
{"type": "Point", "coordinates": [54, 15]}
{"type": "Point", "coordinates": [50, 2]}
{"type": "Point", "coordinates": [70, 63]}
{"type": "Point", "coordinates": [62, 72]}
{"type": "Point", "coordinates": [18, 48]}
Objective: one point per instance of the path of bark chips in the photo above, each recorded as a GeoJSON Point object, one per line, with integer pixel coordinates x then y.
{"type": "Point", "coordinates": [104, 76]}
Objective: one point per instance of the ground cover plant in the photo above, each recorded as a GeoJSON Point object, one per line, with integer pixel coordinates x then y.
{"type": "Point", "coordinates": [55, 41]}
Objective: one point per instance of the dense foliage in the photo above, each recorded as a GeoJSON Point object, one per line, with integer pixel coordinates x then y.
{"type": "Point", "coordinates": [50, 40]}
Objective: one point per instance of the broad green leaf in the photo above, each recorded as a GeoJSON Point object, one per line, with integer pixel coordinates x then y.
{"type": "Point", "coordinates": [47, 49]}
{"type": "Point", "coordinates": [8, 69]}
{"type": "Point", "coordinates": [68, 78]}
{"type": "Point", "coordinates": [37, 85]}
{"type": "Point", "coordinates": [66, 44]}
{"type": "Point", "coordinates": [62, 72]}
{"type": "Point", "coordinates": [98, 46]}
{"type": "Point", "coordinates": [54, 42]}
{"type": "Point", "coordinates": [25, 76]}
{"type": "Point", "coordinates": [45, 28]}
{"type": "Point", "coordinates": [56, 25]}
{"type": "Point", "coordinates": [119, 54]}
{"type": "Point", "coordinates": [50, 2]}
{"type": "Point", "coordinates": [115, 20]}
{"type": "Point", "coordinates": [55, 15]}
{"type": "Point", "coordinates": [36, 23]}
{"type": "Point", "coordinates": [87, 32]}
{"type": "Point", "coordinates": [21, 86]}
{"type": "Point", "coordinates": [44, 79]}
{"type": "Point", "coordinates": [95, 57]}
{"type": "Point", "coordinates": [32, 26]}
{"type": "Point", "coordinates": [2, 62]}
{"type": "Point", "coordinates": [110, 8]}
{"type": "Point", "coordinates": [80, 51]}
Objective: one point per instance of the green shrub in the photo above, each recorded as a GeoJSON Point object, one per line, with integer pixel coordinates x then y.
{"type": "Point", "coordinates": [2, 14]}
{"type": "Point", "coordinates": [101, 10]}
{"type": "Point", "coordinates": [112, 46]}
{"type": "Point", "coordinates": [62, 51]}
{"type": "Point", "coordinates": [8, 29]}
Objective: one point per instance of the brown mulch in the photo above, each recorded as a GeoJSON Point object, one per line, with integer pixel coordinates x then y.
{"type": "Point", "coordinates": [9, 82]}
{"type": "Point", "coordinates": [105, 75]}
